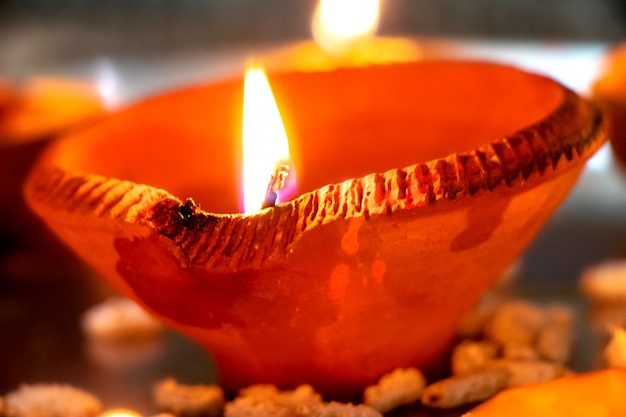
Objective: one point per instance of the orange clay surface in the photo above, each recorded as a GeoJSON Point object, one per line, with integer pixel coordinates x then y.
{"type": "Point", "coordinates": [418, 184]}
{"type": "Point", "coordinates": [600, 393]}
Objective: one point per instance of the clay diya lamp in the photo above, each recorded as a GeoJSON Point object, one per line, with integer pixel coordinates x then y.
{"type": "Point", "coordinates": [610, 92]}
{"type": "Point", "coordinates": [418, 184]}
{"type": "Point", "coordinates": [30, 115]}
{"type": "Point", "coordinates": [344, 36]}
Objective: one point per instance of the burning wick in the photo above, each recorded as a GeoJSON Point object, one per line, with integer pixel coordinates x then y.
{"type": "Point", "coordinates": [277, 183]}
{"type": "Point", "coordinates": [264, 142]}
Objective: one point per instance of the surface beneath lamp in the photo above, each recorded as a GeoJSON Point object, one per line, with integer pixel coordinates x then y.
{"type": "Point", "coordinates": [43, 293]}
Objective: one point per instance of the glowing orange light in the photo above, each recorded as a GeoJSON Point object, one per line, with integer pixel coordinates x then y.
{"type": "Point", "coordinates": [265, 144]}
{"type": "Point", "coordinates": [339, 24]}
{"type": "Point", "coordinates": [120, 413]}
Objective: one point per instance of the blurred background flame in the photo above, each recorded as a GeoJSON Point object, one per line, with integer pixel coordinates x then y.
{"type": "Point", "coordinates": [40, 35]}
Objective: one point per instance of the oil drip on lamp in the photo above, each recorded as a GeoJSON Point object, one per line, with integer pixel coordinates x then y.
{"type": "Point", "coordinates": [418, 183]}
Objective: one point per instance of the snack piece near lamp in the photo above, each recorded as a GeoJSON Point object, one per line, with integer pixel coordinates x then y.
{"type": "Point", "coordinates": [395, 389]}
{"type": "Point", "coordinates": [605, 282]}
{"type": "Point", "coordinates": [263, 399]}
{"type": "Point", "coordinates": [50, 400]}
{"type": "Point", "coordinates": [303, 401]}
{"type": "Point", "coordinates": [118, 321]}
{"type": "Point", "coordinates": [614, 352]}
{"type": "Point", "coordinates": [442, 174]}
{"type": "Point", "coordinates": [188, 400]}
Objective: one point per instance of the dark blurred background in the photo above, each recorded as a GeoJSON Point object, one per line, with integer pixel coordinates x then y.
{"type": "Point", "coordinates": [38, 32]}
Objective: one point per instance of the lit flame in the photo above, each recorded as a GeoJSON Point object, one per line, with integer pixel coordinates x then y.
{"type": "Point", "coordinates": [339, 24]}
{"type": "Point", "coordinates": [120, 413]}
{"type": "Point", "coordinates": [265, 144]}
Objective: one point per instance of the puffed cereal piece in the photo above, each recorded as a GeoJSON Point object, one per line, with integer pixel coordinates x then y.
{"type": "Point", "coordinates": [528, 372]}
{"type": "Point", "coordinates": [336, 409]}
{"type": "Point", "coordinates": [615, 351]}
{"type": "Point", "coordinates": [50, 400]}
{"type": "Point", "coordinates": [119, 320]}
{"type": "Point", "coordinates": [605, 282]}
{"type": "Point", "coordinates": [395, 389]}
{"type": "Point", "coordinates": [556, 339]}
{"type": "Point", "coordinates": [188, 400]}
{"type": "Point", "coordinates": [515, 322]}
{"type": "Point", "coordinates": [458, 390]}
{"type": "Point", "coordinates": [470, 356]}
{"type": "Point", "coordinates": [268, 401]}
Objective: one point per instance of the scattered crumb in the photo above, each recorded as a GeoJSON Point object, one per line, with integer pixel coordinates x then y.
{"type": "Point", "coordinates": [188, 400]}
{"type": "Point", "coordinates": [336, 409]}
{"type": "Point", "coordinates": [615, 352]}
{"type": "Point", "coordinates": [471, 356]}
{"type": "Point", "coordinates": [458, 390]}
{"type": "Point", "coordinates": [605, 282]}
{"type": "Point", "coordinates": [515, 322]}
{"type": "Point", "coordinates": [529, 372]}
{"type": "Point", "coordinates": [119, 320]}
{"type": "Point", "coordinates": [50, 400]}
{"type": "Point", "coordinates": [267, 400]}
{"type": "Point", "coordinates": [555, 340]}
{"type": "Point", "coordinates": [398, 388]}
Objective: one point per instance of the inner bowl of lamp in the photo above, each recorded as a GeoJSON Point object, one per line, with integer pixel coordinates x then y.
{"type": "Point", "coordinates": [417, 185]}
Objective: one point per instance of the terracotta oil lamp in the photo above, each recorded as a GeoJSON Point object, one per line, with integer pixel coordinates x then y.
{"type": "Point", "coordinates": [344, 36]}
{"type": "Point", "coordinates": [417, 185]}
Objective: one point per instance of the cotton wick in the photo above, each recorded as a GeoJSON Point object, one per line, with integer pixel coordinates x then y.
{"type": "Point", "coordinates": [277, 183]}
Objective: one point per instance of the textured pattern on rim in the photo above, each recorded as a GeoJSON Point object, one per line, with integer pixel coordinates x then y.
{"type": "Point", "coordinates": [246, 241]}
